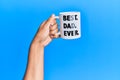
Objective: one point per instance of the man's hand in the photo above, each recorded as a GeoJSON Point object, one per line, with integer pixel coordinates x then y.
{"type": "Point", "coordinates": [47, 31]}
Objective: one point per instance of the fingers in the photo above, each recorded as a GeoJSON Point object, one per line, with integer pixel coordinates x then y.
{"type": "Point", "coordinates": [56, 35]}
{"type": "Point", "coordinates": [43, 23]}
{"type": "Point", "coordinates": [51, 20]}
{"type": "Point", "coordinates": [40, 28]}
{"type": "Point", "coordinates": [44, 27]}
{"type": "Point", "coordinates": [54, 27]}
{"type": "Point", "coordinates": [49, 28]}
{"type": "Point", "coordinates": [54, 31]}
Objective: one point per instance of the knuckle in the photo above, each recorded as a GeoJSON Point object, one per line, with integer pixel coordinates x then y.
{"type": "Point", "coordinates": [53, 27]}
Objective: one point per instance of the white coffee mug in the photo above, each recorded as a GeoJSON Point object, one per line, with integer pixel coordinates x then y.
{"type": "Point", "coordinates": [70, 25]}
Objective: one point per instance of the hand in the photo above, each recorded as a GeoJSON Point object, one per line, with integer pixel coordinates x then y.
{"type": "Point", "coordinates": [47, 31]}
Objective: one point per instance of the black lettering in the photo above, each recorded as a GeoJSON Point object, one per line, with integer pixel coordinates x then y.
{"type": "Point", "coordinates": [72, 33]}
{"type": "Point", "coordinates": [65, 33]}
{"type": "Point", "coordinates": [69, 25]}
{"type": "Point", "coordinates": [68, 33]}
{"type": "Point", "coordinates": [76, 17]}
{"type": "Point", "coordinates": [65, 25]}
{"type": "Point", "coordinates": [68, 17]}
{"type": "Point", "coordinates": [76, 32]}
{"type": "Point", "coordinates": [64, 18]}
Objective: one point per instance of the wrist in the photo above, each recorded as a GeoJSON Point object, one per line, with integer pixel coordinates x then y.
{"type": "Point", "coordinates": [36, 45]}
{"type": "Point", "coordinates": [36, 50]}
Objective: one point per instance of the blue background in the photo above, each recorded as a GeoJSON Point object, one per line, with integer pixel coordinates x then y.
{"type": "Point", "coordinates": [95, 56]}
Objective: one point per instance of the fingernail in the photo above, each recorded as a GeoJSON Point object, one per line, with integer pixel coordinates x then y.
{"type": "Point", "coordinates": [53, 15]}
{"type": "Point", "coordinates": [51, 24]}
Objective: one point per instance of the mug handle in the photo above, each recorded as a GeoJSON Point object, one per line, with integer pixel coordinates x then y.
{"type": "Point", "coordinates": [57, 17]}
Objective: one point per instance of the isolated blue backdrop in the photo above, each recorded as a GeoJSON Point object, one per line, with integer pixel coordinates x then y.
{"type": "Point", "coordinates": [95, 56]}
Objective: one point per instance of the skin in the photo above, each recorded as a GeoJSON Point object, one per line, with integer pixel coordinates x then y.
{"type": "Point", "coordinates": [48, 30]}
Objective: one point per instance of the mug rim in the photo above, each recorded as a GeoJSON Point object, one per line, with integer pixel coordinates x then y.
{"type": "Point", "coordinates": [70, 12]}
